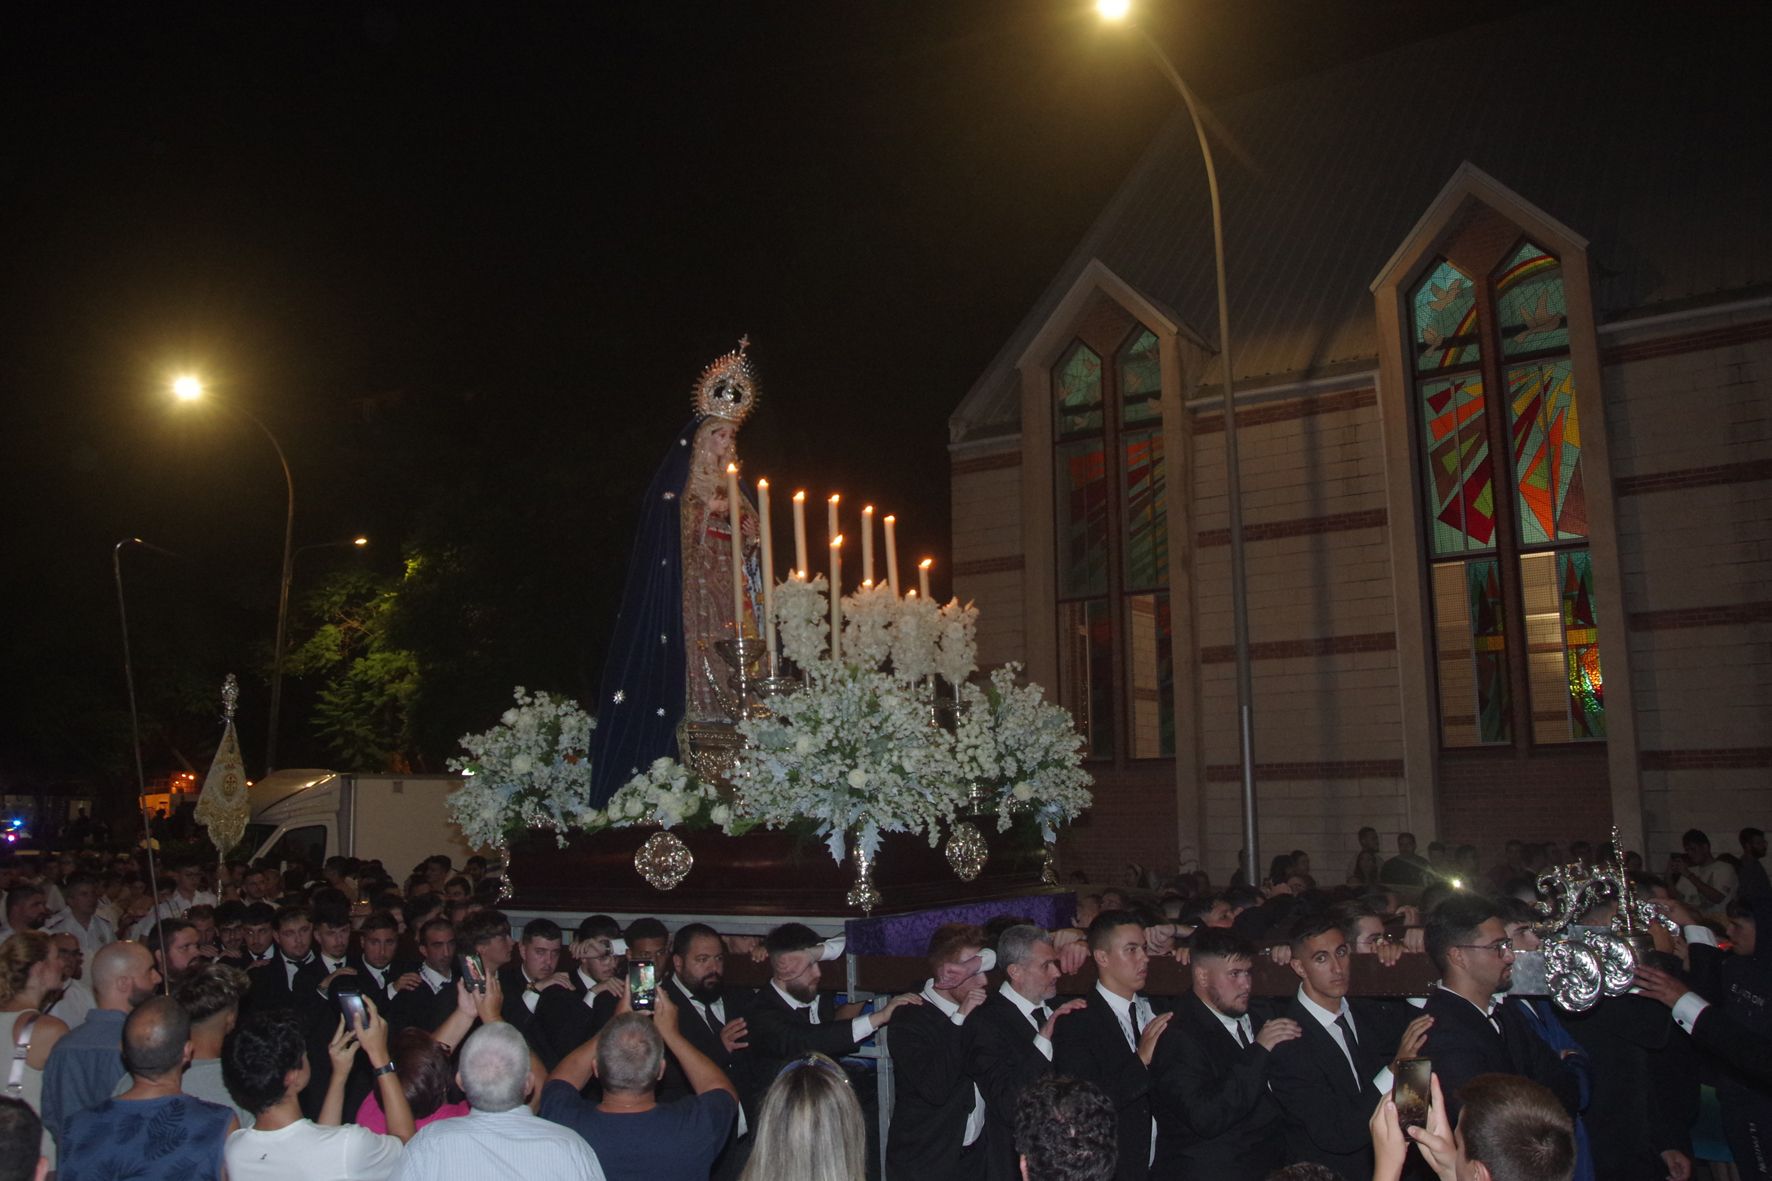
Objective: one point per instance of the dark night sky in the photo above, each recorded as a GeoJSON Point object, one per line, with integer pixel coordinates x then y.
{"type": "Point", "coordinates": [546, 220]}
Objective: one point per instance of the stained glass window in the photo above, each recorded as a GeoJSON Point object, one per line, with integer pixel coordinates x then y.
{"type": "Point", "coordinates": [1460, 472]}
{"type": "Point", "coordinates": [1563, 652]}
{"type": "Point", "coordinates": [1531, 314]}
{"type": "Point", "coordinates": [1141, 381]}
{"type": "Point", "coordinates": [1079, 393]}
{"type": "Point", "coordinates": [1151, 676]}
{"type": "Point", "coordinates": [1147, 517]}
{"type": "Point", "coordinates": [1470, 617]}
{"type": "Point", "coordinates": [1444, 310]}
{"type": "Point", "coordinates": [1546, 440]}
{"type": "Point", "coordinates": [1083, 520]}
{"type": "Point", "coordinates": [1086, 672]}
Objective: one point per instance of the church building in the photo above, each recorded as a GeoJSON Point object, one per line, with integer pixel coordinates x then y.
{"type": "Point", "coordinates": [1501, 316]}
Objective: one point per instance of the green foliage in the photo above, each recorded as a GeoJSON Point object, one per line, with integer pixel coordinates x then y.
{"type": "Point", "coordinates": [367, 683]}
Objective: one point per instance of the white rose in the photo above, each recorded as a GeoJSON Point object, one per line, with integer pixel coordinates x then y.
{"type": "Point", "coordinates": [509, 718]}
{"type": "Point", "coordinates": [858, 779]}
{"type": "Point", "coordinates": [804, 745]}
{"type": "Point", "coordinates": [721, 815]}
{"type": "Point", "coordinates": [1023, 791]}
{"type": "Point", "coordinates": [521, 764]}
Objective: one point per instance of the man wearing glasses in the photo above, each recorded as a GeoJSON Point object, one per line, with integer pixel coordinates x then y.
{"type": "Point", "coordinates": [1474, 1032]}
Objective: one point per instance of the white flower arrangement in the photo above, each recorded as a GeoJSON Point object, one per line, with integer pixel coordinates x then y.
{"type": "Point", "coordinates": [1022, 752]}
{"type": "Point", "coordinates": [532, 770]}
{"type": "Point", "coordinates": [854, 751]}
{"type": "Point", "coordinates": [669, 795]}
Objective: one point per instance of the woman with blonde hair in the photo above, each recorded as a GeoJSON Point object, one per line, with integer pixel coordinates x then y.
{"type": "Point", "coordinates": [809, 1127]}
{"type": "Point", "coordinates": [30, 969]}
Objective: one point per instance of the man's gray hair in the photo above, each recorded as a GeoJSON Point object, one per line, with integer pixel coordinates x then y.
{"type": "Point", "coordinates": [1016, 944]}
{"type": "Point", "coordinates": [629, 1054]}
{"type": "Point", "coordinates": [494, 1068]}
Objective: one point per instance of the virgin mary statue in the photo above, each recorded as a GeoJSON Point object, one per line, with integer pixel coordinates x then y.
{"type": "Point", "coordinates": [663, 670]}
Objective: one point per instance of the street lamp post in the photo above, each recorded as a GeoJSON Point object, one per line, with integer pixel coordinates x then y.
{"type": "Point", "coordinates": [189, 389]}
{"type": "Point", "coordinates": [1120, 10]}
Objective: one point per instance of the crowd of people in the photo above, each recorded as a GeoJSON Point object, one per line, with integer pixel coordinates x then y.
{"type": "Point", "coordinates": [285, 1021]}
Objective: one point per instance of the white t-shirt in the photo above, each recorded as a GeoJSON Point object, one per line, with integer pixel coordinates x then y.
{"type": "Point", "coordinates": [1716, 873]}
{"type": "Point", "coordinates": [305, 1151]}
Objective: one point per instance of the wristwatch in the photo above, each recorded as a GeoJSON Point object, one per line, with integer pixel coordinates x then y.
{"type": "Point", "coordinates": [384, 1068]}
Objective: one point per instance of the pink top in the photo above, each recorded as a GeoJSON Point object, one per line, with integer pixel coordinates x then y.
{"type": "Point", "coordinates": [370, 1115]}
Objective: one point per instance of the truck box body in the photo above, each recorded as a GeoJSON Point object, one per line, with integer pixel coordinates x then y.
{"type": "Point", "coordinates": [310, 815]}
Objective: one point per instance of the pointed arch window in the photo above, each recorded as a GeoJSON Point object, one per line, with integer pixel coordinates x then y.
{"type": "Point", "coordinates": [1116, 672]}
{"type": "Point", "coordinates": [1517, 647]}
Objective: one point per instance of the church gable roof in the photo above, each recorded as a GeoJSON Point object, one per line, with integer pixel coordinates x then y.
{"type": "Point", "coordinates": [1638, 126]}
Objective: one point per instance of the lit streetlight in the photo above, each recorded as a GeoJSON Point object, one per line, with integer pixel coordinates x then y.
{"type": "Point", "coordinates": [188, 388]}
{"type": "Point", "coordinates": [1121, 11]}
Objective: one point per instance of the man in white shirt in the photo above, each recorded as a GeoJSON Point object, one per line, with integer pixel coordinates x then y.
{"type": "Point", "coordinates": [265, 1066]}
{"type": "Point", "coordinates": [500, 1137]}
{"type": "Point", "coordinates": [80, 917]}
{"type": "Point", "coordinates": [76, 999]}
{"type": "Point", "coordinates": [187, 892]}
{"type": "Point", "coordinates": [1703, 882]}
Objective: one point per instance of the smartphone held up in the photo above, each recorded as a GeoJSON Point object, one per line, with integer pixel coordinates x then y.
{"type": "Point", "coordinates": [1413, 1091]}
{"type": "Point", "coordinates": [354, 1008]}
{"type": "Point", "coordinates": [642, 986]}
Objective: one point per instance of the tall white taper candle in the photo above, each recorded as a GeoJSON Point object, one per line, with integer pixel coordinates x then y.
{"type": "Point", "coordinates": [867, 544]}
{"type": "Point", "coordinates": [892, 553]}
{"type": "Point", "coordinates": [837, 598]}
{"type": "Point", "coordinates": [768, 542]}
{"type": "Point", "coordinates": [800, 534]}
{"type": "Point", "coordinates": [737, 551]}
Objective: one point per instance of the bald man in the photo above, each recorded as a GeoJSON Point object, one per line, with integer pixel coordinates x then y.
{"type": "Point", "coordinates": [152, 1131]}
{"type": "Point", "coordinates": [85, 1065]}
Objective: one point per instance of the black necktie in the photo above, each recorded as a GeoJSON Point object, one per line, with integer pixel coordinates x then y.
{"type": "Point", "coordinates": [1347, 1033]}
{"type": "Point", "coordinates": [1242, 1037]}
{"type": "Point", "coordinates": [1038, 1017]}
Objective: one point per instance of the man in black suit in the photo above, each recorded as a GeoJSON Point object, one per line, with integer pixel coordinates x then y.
{"type": "Point", "coordinates": [709, 1013]}
{"type": "Point", "coordinates": [429, 1002]}
{"type": "Point", "coordinates": [938, 1112]}
{"type": "Point", "coordinates": [1111, 1039]}
{"type": "Point", "coordinates": [530, 975]}
{"type": "Point", "coordinates": [791, 1018]}
{"type": "Point", "coordinates": [1471, 1034]}
{"type": "Point", "coordinates": [1215, 1117]}
{"type": "Point", "coordinates": [379, 975]}
{"type": "Point", "coordinates": [1328, 1081]}
{"type": "Point", "coordinates": [566, 1020]}
{"type": "Point", "coordinates": [1009, 1039]}
{"type": "Point", "coordinates": [273, 985]}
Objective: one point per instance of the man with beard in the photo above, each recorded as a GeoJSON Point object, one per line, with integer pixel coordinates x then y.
{"type": "Point", "coordinates": [379, 976]}
{"type": "Point", "coordinates": [1328, 1080]}
{"type": "Point", "coordinates": [706, 1010]}
{"type": "Point", "coordinates": [1472, 1034]}
{"type": "Point", "coordinates": [86, 1063]}
{"type": "Point", "coordinates": [175, 946]}
{"type": "Point", "coordinates": [1111, 1040]}
{"type": "Point", "coordinates": [791, 1018]}
{"type": "Point", "coordinates": [273, 986]}
{"type": "Point", "coordinates": [1215, 1116]}
{"type": "Point", "coordinates": [1009, 1039]}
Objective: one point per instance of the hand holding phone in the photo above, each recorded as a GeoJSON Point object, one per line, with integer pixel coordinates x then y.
{"type": "Point", "coordinates": [473, 970]}
{"type": "Point", "coordinates": [642, 985]}
{"type": "Point", "coordinates": [355, 1011]}
{"type": "Point", "coordinates": [1412, 1091]}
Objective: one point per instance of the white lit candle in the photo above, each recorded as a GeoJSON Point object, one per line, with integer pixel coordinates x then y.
{"type": "Point", "coordinates": [867, 545]}
{"type": "Point", "coordinates": [768, 543]}
{"type": "Point", "coordinates": [834, 529]}
{"type": "Point", "coordinates": [836, 597]}
{"type": "Point", "coordinates": [800, 533]}
{"type": "Point", "coordinates": [923, 575]}
{"type": "Point", "coordinates": [892, 553]}
{"type": "Point", "coordinates": [737, 551]}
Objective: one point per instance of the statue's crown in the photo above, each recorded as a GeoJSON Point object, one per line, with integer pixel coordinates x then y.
{"type": "Point", "coordinates": [727, 388]}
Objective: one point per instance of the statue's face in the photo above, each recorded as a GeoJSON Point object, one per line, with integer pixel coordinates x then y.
{"type": "Point", "coordinates": [723, 443]}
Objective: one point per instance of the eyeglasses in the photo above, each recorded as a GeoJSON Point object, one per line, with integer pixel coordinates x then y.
{"type": "Point", "coordinates": [818, 1060]}
{"type": "Point", "coordinates": [1499, 947]}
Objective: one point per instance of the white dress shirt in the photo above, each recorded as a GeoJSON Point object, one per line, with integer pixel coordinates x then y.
{"type": "Point", "coordinates": [483, 1144]}
{"type": "Point", "coordinates": [1241, 1029]}
{"type": "Point", "coordinates": [75, 1003]}
{"type": "Point", "coordinates": [176, 906]}
{"type": "Point", "coordinates": [1027, 1007]}
{"type": "Point", "coordinates": [948, 1009]}
{"type": "Point", "coordinates": [434, 980]}
{"type": "Point", "coordinates": [1326, 1018]}
{"type": "Point", "coordinates": [861, 1028]}
{"type": "Point", "coordinates": [90, 936]}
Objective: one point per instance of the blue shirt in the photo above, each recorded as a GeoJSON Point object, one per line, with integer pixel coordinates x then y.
{"type": "Point", "coordinates": [175, 1138]}
{"type": "Point", "coordinates": [671, 1142]}
{"type": "Point", "coordinates": [83, 1069]}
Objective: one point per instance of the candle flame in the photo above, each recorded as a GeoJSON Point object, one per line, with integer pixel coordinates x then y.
{"type": "Point", "coordinates": [763, 482]}
{"type": "Point", "coordinates": [890, 519]}
{"type": "Point", "coordinates": [835, 497]}
{"type": "Point", "coordinates": [867, 582]}
{"type": "Point", "coordinates": [836, 541]}
{"type": "Point", "coordinates": [732, 469]}
{"type": "Point", "coordinates": [926, 563]}
{"type": "Point", "coordinates": [867, 510]}
{"type": "Point", "coordinates": [911, 594]}
{"type": "Point", "coordinates": [800, 495]}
